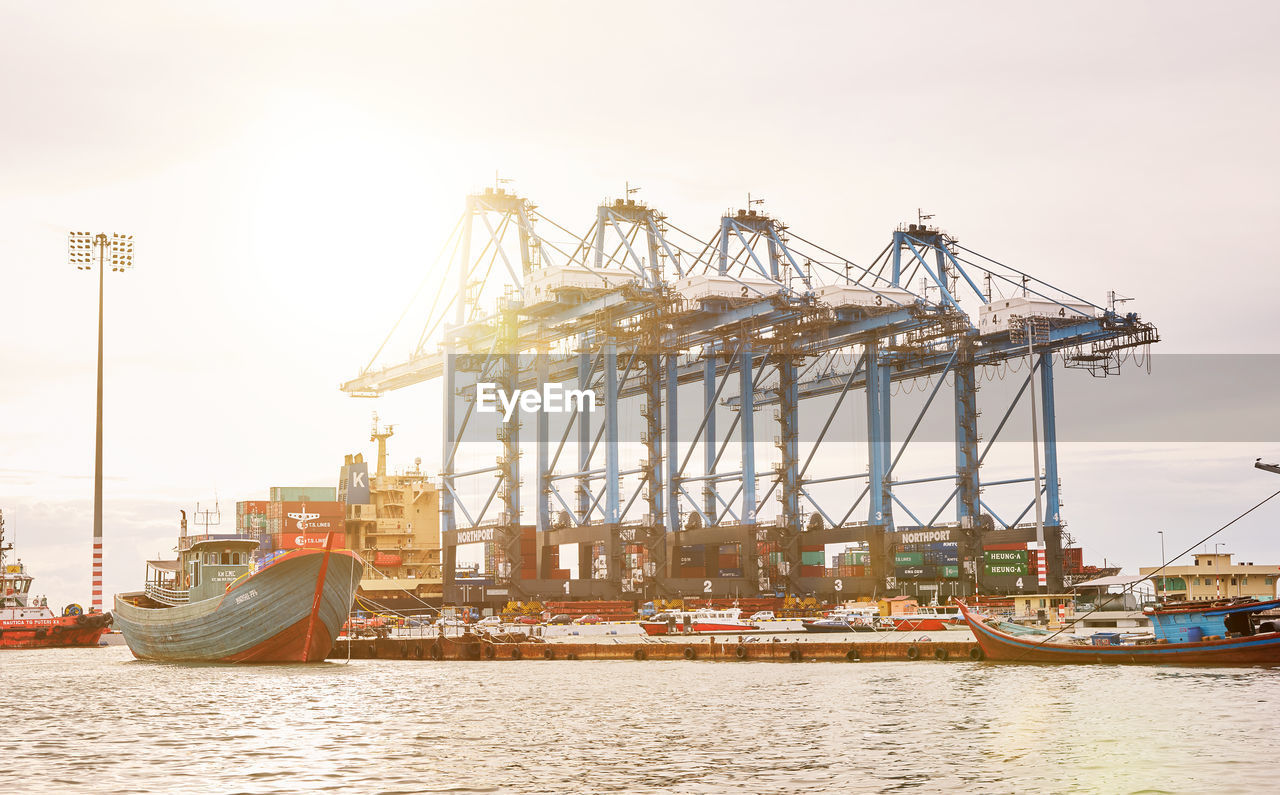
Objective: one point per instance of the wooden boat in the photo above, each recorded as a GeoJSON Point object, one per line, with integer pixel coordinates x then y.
{"type": "Point", "coordinates": [210, 605]}
{"type": "Point", "coordinates": [1228, 632]}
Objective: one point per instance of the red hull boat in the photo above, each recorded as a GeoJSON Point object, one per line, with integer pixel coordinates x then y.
{"type": "Point", "coordinates": [1209, 633]}
{"type": "Point", "coordinates": [27, 622]}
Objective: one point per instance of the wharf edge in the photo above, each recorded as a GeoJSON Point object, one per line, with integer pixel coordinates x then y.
{"type": "Point", "coordinates": [470, 649]}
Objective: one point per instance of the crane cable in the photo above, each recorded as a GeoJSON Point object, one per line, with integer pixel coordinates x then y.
{"type": "Point", "coordinates": [1163, 566]}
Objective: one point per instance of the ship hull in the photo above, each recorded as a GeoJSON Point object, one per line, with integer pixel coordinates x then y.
{"type": "Point", "coordinates": [54, 633]}
{"type": "Point", "coordinates": [1001, 647]}
{"type": "Point", "coordinates": [699, 628]}
{"type": "Point", "coordinates": [289, 611]}
{"type": "Point", "coordinates": [929, 624]}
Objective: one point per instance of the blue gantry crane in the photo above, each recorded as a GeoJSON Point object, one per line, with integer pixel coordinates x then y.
{"type": "Point", "coordinates": [683, 342]}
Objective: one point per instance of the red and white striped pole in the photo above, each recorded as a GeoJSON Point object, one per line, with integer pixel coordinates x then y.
{"type": "Point", "coordinates": [1037, 553]}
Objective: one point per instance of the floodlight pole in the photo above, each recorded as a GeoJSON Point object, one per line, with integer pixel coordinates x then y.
{"type": "Point", "coordinates": [96, 594]}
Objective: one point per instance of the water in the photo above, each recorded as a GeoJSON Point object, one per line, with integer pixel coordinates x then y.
{"type": "Point", "coordinates": [95, 720]}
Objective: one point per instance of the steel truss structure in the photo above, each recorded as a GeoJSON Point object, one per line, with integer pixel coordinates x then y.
{"type": "Point", "coordinates": [695, 338]}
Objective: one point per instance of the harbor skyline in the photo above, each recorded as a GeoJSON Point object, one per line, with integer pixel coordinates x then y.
{"type": "Point", "coordinates": [281, 207]}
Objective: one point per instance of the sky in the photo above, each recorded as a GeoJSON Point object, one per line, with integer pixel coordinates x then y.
{"type": "Point", "coordinates": [289, 169]}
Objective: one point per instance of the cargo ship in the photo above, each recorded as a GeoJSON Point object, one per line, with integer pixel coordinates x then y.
{"type": "Point", "coordinates": [212, 604]}
{"type": "Point", "coordinates": [28, 623]}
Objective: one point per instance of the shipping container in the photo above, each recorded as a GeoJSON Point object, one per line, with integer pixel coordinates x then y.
{"type": "Point", "coordinates": [729, 573]}
{"type": "Point", "coordinates": [950, 572]}
{"type": "Point", "coordinates": [386, 559]}
{"type": "Point", "coordinates": [692, 556]}
{"type": "Point", "coordinates": [812, 558]}
{"type": "Point", "coordinates": [287, 517]}
{"type": "Point", "coordinates": [908, 558]}
{"type": "Point", "coordinates": [813, 571]}
{"type": "Point", "coordinates": [309, 540]}
{"type": "Point", "coordinates": [916, 572]}
{"type": "Point", "coordinates": [1010, 556]}
{"type": "Point", "coordinates": [304, 494]}
{"type": "Point", "coordinates": [1006, 569]}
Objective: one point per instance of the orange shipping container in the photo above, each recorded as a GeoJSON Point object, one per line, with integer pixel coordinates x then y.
{"type": "Point", "coordinates": [309, 540]}
{"type": "Point", "coordinates": [309, 517]}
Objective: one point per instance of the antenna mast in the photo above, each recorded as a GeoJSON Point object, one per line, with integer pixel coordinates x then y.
{"type": "Point", "coordinates": [381, 436]}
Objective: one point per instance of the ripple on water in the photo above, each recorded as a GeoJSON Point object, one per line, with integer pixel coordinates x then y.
{"type": "Point", "coordinates": [107, 723]}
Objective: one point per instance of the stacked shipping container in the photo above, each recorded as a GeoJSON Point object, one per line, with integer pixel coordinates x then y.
{"type": "Point", "coordinates": [932, 561]}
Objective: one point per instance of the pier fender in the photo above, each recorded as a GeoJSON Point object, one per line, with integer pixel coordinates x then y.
{"type": "Point", "coordinates": [373, 649]}
{"type": "Point", "coordinates": [690, 653]}
{"type": "Point", "coordinates": [639, 654]}
{"type": "Point", "coordinates": [516, 654]}
{"type": "Point", "coordinates": [740, 652]}
{"type": "Point", "coordinates": [975, 653]}
{"type": "Point", "coordinates": [940, 654]}
{"type": "Point", "coordinates": [437, 653]}
{"type": "Point", "coordinates": [489, 651]}
{"type": "Point", "coordinates": [417, 650]}
{"type": "Point", "coordinates": [404, 651]}
{"type": "Point", "coordinates": [571, 656]}
{"type": "Point", "coordinates": [795, 655]}
{"type": "Point", "coordinates": [548, 654]}
{"type": "Point", "coordinates": [851, 655]}
{"type": "Point", "coordinates": [913, 652]}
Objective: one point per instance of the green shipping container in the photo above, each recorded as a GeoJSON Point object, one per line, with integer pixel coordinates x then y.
{"type": "Point", "coordinates": [950, 572]}
{"type": "Point", "coordinates": [812, 558]}
{"type": "Point", "coordinates": [1006, 570]}
{"type": "Point", "coordinates": [908, 559]}
{"type": "Point", "coordinates": [304, 494]}
{"type": "Point", "coordinates": [1010, 556]}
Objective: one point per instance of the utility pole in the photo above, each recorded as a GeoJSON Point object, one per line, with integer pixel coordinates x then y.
{"type": "Point", "coordinates": [1163, 581]}
{"type": "Point", "coordinates": [81, 248]}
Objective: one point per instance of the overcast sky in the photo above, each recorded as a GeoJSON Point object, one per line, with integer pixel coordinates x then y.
{"type": "Point", "coordinates": [289, 169]}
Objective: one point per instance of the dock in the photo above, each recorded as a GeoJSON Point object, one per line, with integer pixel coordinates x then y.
{"type": "Point", "coordinates": [476, 648]}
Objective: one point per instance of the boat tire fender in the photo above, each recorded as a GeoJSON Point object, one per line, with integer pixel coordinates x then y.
{"type": "Point", "coordinates": [489, 651]}
{"type": "Point", "coordinates": [690, 653]}
{"type": "Point", "coordinates": [740, 652]}
{"type": "Point", "coordinates": [404, 651]}
{"type": "Point", "coordinates": [516, 654]}
{"type": "Point", "coordinates": [975, 653]}
{"type": "Point", "coordinates": [436, 652]}
{"type": "Point", "coordinates": [639, 655]}
{"type": "Point", "coordinates": [940, 654]}
{"type": "Point", "coordinates": [851, 655]}
{"type": "Point", "coordinates": [417, 651]}
{"type": "Point", "coordinates": [913, 652]}
{"type": "Point", "coordinates": [548, 654]}
{"type": "Point", "coordinates": [795, 655]}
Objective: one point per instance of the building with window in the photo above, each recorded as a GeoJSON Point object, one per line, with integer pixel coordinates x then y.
{"type": "Point", "coordinates": [1215, 576]}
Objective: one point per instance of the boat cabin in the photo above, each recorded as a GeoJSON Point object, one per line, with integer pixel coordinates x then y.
{"type": "Point", "coordinates": [203, 569]}
{"type": "Point", "coordinates": [1189, 622]}
{"type": "Point", "coordinates": [15, 585]}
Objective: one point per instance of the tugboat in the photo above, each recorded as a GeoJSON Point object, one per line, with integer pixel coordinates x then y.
{"type": "Point", "coordinates": [211, 605]}
{"type": "Point", "coordinates": [28, 623]}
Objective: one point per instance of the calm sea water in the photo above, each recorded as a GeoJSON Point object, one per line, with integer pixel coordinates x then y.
{"type": "Point", "coordinates": [95, 720]}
